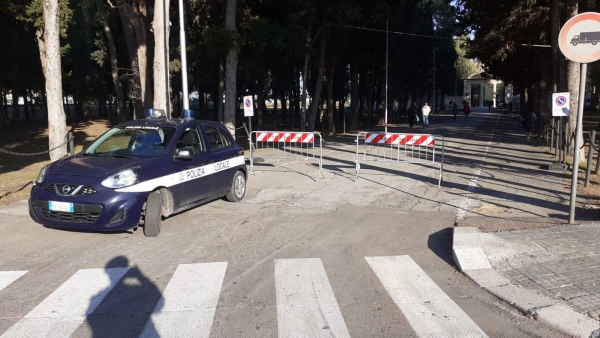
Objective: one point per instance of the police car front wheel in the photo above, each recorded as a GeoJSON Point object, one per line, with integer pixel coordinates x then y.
{"type": "Point", "coordinates": [152, 217]}
{"type": "Point", "coordinates": [238, 188]}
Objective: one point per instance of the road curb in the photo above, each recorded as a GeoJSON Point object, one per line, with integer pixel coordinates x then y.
{"type": "Point", "coordinates": [472, 261]}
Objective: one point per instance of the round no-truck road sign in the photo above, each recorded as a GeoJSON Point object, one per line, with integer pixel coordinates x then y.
{"type": "Point", "coordinates": [579, 39]}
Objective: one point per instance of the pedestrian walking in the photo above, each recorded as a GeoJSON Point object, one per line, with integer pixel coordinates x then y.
{"type": "Point", "coordinates": [467, 110]}
{"type": "Point", "coordinates": [529, 122]}
{"type": "Point", "coordinates": [425, 111]}
{"type": "Point", "coordinates": [455, 110]}
{"type": "Point", "coordinates": [510, 107]}
{"type": "Point", "coordinates": [411, 114]}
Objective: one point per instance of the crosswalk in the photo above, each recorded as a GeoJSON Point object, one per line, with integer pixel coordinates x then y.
{"type": "Point", "coordinates": [305, 302]}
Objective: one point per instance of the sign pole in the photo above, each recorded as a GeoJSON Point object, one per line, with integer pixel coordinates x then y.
{"type": "Point", "coordinates": [560, 141]}
{"type": "Point", "coordinates": [560, 108]}
{"type": "Point", "coordinates": [578, 131]}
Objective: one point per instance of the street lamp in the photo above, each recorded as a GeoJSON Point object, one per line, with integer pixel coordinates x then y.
{"type": "Point", "coordinates": [184, 75]}
{"type": "Point", "coordinates": [166, 59]}
{"type": "Point", "coordinates": [387, 31]}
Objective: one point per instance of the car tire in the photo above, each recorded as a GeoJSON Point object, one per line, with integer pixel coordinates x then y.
{"type": "Point", "coordinates": [238, 187]}
{"type": "Point", "coordinates": [574, 43]}
{"type": "Point", "coordinates": [594, 43]}
{"type": "Point", "coordinates": [153, 215]}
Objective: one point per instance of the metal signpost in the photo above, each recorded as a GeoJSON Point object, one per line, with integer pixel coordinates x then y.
{"type": "Point", "coordinates": [579, 41]}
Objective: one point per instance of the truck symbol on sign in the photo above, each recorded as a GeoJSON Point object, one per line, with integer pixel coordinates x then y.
{"type": "Point", "coordinates": [586, 37]}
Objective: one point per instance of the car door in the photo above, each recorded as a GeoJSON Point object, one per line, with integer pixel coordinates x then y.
{"type": "Point", "coordinates": [196, 183]}
{"type": "Point", "coordinates": [221, 149]}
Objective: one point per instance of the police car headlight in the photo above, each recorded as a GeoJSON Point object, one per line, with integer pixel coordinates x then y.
{"type": "Point", "coordinates": [122, 179]}
{"type": "Point", "coordinates": [42, 174]}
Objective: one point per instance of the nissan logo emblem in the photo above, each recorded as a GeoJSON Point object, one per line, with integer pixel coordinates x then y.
{"type": "Point", "coordinates": [66, 189]}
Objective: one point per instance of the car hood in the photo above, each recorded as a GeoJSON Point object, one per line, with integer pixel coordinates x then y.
{"type": "Point", "coordinates": [89, 166]}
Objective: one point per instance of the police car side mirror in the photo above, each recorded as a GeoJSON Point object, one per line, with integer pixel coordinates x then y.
{"type": "Point", "coordinates": [184, 154]}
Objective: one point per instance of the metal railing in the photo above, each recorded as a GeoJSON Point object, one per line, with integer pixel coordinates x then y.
{"type": "Point", "coordinates": [286, 146]}
{"type": "Point", "coordinates": [400, 148]}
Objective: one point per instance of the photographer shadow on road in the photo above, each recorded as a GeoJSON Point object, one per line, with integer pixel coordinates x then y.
{"type": "Point", "coordinates": [126, 309]}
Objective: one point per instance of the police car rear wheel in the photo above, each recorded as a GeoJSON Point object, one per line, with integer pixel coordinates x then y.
{"type": "Point", "coordinates": [238, 188]}
{"type": "Point", "coordinates": [153, 215]}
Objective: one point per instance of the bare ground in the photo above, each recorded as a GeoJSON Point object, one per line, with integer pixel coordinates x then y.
{"type": "Point", "coordinates": [18, 172]}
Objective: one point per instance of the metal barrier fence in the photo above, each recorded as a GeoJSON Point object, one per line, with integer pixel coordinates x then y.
{"type": "Point", "coordinates": [400, 148]}
{"type": "Point", "coordinates": [286, 146]}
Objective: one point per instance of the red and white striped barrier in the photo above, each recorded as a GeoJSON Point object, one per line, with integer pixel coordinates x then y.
{"type": "Point", "coordinates": [285, 137]}
{"type": "Point", "coordinates": [400, 139]}
{"type": "Point", "coordinates": [286, 146]}
{"type": "Point", "coordinates": [400, 148]}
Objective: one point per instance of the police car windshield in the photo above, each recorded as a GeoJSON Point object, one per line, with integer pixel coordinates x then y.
{"type": "Point", "coordinates": [131, 141]}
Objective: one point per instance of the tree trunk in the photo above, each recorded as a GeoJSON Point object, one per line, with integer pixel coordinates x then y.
{"type": "Point", "coordinates": [259, 108]}
{"type": "Point", "coordinates": [25, 105]}
{"type": "Point", "coordinates": [354, 89]}
{"type": "Point", "coordinates": [51, 52]}
{"type": "Point", "coordinates": [15, 106]}
{"type": "Point", "coordinates": [220, 110]}
{"type": "Point", "coordinates": [319, 86]}
{"type": "Point", "coordinates": [332, 60]}
{"type": "Point", "coordinates": [132, 48]}
{"type": "Point", "coordinates": [554, 30]}
{"type": "Point", "coordinates": [295, 93]}
{"type": "Point", "coordinates": [202, 104]}
{"type": "Point", "coordinates": [161, 56]}
{"type": "Point", "coordinates": [139, 46]}
{"type": "Point", "coordinates": [231, 61]}
{"type": "Point", "coordinates": [573, 76]}
{"type": "Point", "coordinates": [114, 67]}
{"type": "Point", "coordinates": [284, 108]}
{"type": "Point", "coordinates": [370, 95]}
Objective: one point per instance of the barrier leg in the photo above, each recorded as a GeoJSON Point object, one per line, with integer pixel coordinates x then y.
{"type": "Point", "coordinates": [251, 159]}
{"type": "Point", "coordinates": [320, 174]}
{"type": "Point", "coordinates": [357, 169]}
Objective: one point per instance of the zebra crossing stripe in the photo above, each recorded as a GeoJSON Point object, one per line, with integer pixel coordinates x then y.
{"type": "Point", "coordinates": [189, 302]}
{"type": "Point", "coordinates": [306, 305]}
{"type": "Point", "coordinates": [66, 308]}
{"type": "Point", "coordinates": [430, 312]}
{"type": "Point", "coordinates": [7, 277]}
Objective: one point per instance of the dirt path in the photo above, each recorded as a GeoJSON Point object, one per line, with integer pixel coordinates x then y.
{"type": "Point", "coordinates": [17, 173]}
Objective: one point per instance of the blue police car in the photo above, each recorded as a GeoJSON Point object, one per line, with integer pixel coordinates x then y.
{"type": "Point", "coordinates": [138, 172]}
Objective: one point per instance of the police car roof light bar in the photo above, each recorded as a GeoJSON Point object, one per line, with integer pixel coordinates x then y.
{"type": "Point", "coordinates": [188, 114]}
{"type": "Point", "coordinates": [155, 114]}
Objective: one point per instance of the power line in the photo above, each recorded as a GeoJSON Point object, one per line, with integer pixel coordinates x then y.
{"type": "Point", "coordinates": [427, 36]}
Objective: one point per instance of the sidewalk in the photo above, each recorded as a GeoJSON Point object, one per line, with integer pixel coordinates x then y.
{"type": "Point", "coordinates": [512, 238]}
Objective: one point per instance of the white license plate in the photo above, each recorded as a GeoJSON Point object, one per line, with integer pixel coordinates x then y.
{"type": "Point", "coordinates": [60, 206]}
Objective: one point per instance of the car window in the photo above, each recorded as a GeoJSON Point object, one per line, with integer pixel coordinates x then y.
{"type": "Point", "coordinates": [131, 141]}
{"type": "Point", "coordinates": [191, 139]}
{"type": "Point", "coordinates": [216, 138]}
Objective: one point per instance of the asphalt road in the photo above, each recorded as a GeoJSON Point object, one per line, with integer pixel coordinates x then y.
{"type": "Point", "coordinates": [296, 258]}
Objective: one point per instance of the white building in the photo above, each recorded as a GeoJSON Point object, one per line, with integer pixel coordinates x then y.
{"type": "Point", "coordinates": [479, 90]}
